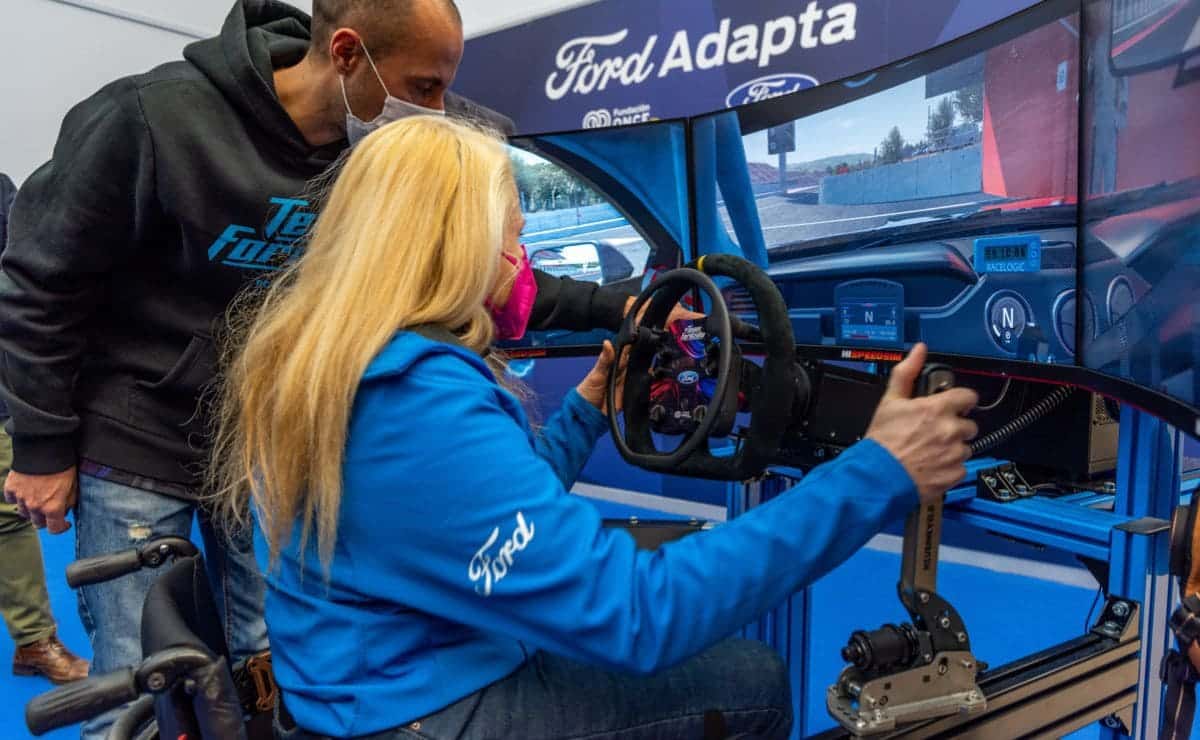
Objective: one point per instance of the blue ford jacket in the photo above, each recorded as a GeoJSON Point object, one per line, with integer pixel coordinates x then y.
{"type": "Point", "coordinates": [460, 552]}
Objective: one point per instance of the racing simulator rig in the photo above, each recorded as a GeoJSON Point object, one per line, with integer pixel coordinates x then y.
{"type": "Point", "coordinates": [1026, 201]}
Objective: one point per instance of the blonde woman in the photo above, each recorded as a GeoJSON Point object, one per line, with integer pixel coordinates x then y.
{"type": "Point", "coordinates": [431, 577]}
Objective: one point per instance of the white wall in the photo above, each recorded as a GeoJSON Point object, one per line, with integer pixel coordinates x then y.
{"type": "Point", "coordinates": [53, 55]}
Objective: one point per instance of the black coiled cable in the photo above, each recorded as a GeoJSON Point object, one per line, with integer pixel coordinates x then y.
{"type": "Point", "coordinates": [1039, 411]}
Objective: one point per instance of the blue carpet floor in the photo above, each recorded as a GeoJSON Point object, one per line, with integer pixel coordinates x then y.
{"type": "Point", "coordinates": [860, 594]}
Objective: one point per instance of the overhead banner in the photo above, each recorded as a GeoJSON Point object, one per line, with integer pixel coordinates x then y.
{"type": "Point", "coordinates": [618, 62]}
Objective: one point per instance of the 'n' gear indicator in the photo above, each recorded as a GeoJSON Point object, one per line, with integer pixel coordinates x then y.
{"type": "Point", "coordinates": [1007, 318]}
{"type": "Point", "coordinates": [870, 313]}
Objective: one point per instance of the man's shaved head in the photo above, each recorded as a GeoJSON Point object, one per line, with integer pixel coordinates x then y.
{"type": "Point", "coordinates": [384, 24]}
{"type": "Point", "coordinates": [362, 51]}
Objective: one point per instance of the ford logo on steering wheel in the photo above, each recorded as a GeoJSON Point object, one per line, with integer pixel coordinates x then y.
{"type": "Point", "coordinates": [689, 377]}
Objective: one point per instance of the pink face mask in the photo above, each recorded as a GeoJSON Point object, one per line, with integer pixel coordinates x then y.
{"type": "Point", "coordinates": [512, 319]}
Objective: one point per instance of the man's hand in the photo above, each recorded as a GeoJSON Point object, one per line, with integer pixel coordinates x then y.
{"type": "Point", "coordinates": [928, 436]}
{"type": "Point", "coordinates": [44, 499]}
{"type": "Point", "coordinates": [677, 313]}
{"type": "Point", "coordinates": [594, 387]}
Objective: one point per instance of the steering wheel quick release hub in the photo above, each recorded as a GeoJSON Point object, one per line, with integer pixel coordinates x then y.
{"type": "Point", "coordinates": [685, 378]}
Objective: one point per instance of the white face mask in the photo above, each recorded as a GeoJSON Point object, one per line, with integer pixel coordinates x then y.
{"type": "Point", "coordinates": [394, 109]}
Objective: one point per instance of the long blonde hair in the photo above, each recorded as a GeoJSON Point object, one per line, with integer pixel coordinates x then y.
{"type": "Point", "coordinates": [410, 235]}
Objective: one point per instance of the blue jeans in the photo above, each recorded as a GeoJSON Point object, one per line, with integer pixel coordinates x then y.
{"type": "Point", "coordinates": [111, 517]}
{"type": "Point", "coordinates": [552, 698]}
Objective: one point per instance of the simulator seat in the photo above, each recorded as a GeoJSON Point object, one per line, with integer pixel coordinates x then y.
{"type": "Point", "coordinates": [184, 688]}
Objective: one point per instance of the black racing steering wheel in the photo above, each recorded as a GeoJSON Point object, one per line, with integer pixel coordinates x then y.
{"type": "Point", "coordinates": [771, 392]}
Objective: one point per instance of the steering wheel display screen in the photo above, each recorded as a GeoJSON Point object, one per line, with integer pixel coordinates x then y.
{"type": "Point", "coordinates": [684, 379]}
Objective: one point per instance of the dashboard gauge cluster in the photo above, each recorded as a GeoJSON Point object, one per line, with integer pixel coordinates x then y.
{"type": "Point", "coordinates": [1008, 317]}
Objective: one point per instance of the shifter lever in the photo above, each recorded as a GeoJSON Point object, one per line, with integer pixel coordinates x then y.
{"type": "Point", "coordinates": [918, 671]}
{"type": "Point", "coordinates": [934, 379]}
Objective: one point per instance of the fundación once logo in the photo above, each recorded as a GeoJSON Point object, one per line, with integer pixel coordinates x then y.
{"type": "Point", "coordinates": [603, 117]}
{"type": "Point", "coordinates": [597, 119]}
{"type": "Point", "coordinates": [771, 86]}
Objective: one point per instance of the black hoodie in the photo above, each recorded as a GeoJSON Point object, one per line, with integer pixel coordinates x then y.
{"type": "Point", "coordinates": [167, 193]}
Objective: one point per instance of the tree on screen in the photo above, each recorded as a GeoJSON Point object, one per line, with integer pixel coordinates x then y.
{"type": "Point", "coordinates": [969, 103]}
{"type": "Point", "coordinates": [941, 121]}
{"type": "Point", "coordinates": [891, 150]}
{"type": "Point", "coordinates": [545, 187]}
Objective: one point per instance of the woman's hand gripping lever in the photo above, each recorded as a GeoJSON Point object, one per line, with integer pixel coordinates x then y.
{"type": "Point", "coordinates": [912, 672]}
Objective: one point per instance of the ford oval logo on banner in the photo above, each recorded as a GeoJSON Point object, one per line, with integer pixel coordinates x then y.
{"type": "Point", "coordinates": [689, 377]}
{"type": "Point", "coordinates": [771, 86]}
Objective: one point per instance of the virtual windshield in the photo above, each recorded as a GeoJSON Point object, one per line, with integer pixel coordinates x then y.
{"type": "Point", "coordinates": [899, 157]}
{"type": "Point", "coordinates": [567, 224]}
{"type": "Point", "coordinates": [946, 146]}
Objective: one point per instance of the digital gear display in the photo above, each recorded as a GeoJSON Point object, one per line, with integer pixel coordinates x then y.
{"type": "Point", "coordinates": [870, 313]}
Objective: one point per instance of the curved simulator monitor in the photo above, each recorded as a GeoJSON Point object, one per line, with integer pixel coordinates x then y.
{"type": "Point", "coordinates": [940, 199]}
{"type": "Point", "coordinates": [933, 200]}
{"type": "Point", "coordinates": [1025, 200]}
{"type": "Point", "coordinates": [1141, 197]}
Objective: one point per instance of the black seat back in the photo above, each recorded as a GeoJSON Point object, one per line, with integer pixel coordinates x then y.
{"type": "Point", "coordinates": [179, 612]}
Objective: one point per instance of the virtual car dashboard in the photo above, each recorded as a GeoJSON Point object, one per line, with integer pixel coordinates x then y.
{"type": "Point", "coordinates": [935, 292]}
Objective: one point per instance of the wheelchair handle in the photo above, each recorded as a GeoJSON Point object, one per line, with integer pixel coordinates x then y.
{"type": "Point", "coordinates": [79, 701]}
{"type": "Point", "coordinates": [103, 568]}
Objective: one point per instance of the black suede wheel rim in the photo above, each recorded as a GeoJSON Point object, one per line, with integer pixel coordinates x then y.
{"type": "Point", "coordinates": [772, 397]}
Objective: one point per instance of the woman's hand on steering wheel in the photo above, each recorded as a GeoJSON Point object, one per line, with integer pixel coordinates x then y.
{"type": "Point", "coordinates": [595, 384]}
{"type": "Point", "coordinates": [677, 313]}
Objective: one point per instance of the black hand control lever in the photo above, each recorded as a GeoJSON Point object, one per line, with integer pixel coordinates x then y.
{"type": "Point", "coordinates": [918, 671]}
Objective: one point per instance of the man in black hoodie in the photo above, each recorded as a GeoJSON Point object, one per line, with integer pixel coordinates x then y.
{"type": "Point", "coordinates": [167, 193]}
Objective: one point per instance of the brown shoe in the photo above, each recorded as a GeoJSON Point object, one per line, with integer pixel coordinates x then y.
{"type": "Point", "coordinates": [49, 658]}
